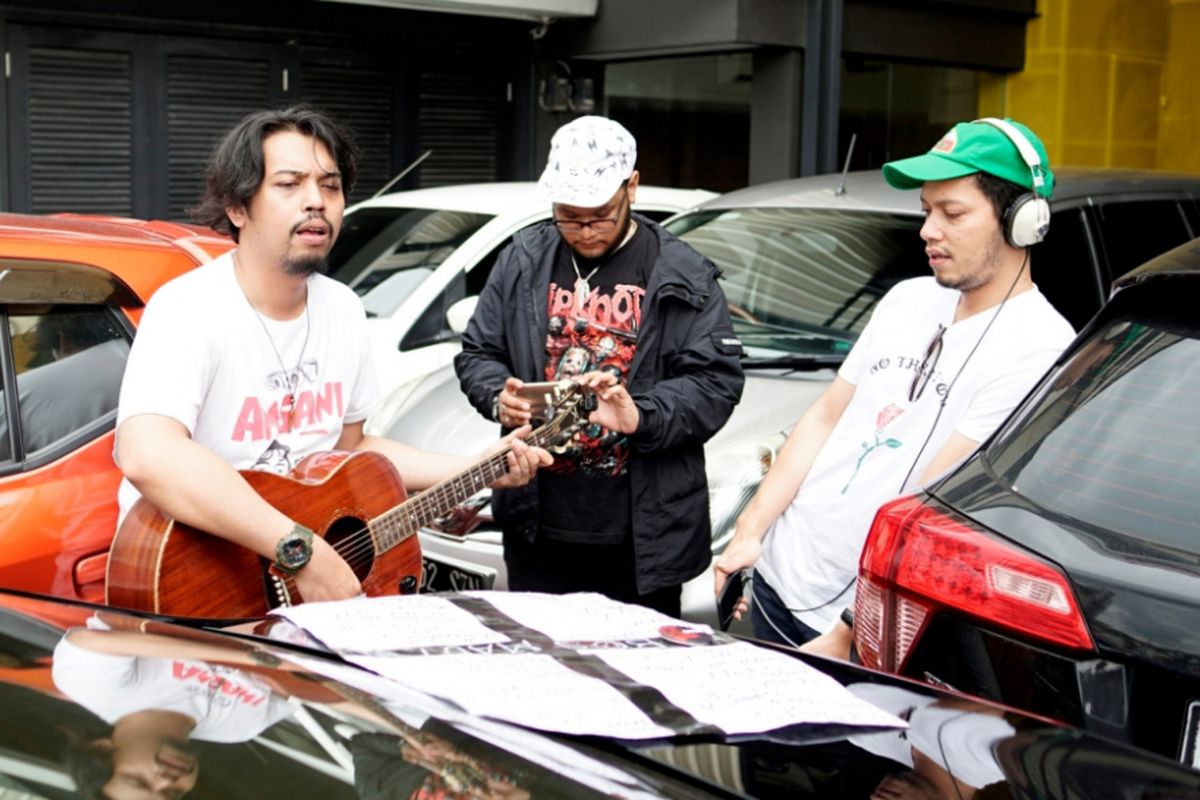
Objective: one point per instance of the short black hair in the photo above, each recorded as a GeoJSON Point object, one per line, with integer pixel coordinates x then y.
{"type": "Point", "coordinates": [1000, 192]}
{"type": "Point", "coordinates": [235, 170]}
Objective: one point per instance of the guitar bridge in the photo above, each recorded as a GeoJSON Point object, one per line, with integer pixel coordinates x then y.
{"type": "Point", "coordinates": [279, 591]}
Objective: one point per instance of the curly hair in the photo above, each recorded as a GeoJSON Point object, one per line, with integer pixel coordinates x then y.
{"type": "Point", "coordinates": [235, 171]}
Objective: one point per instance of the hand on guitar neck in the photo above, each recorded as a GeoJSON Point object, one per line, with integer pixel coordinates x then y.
{"type": "Point", "coordinates": [523, 460]}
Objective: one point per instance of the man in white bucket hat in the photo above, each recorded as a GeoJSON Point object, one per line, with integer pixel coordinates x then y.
{"type": "Point", "coordinates": [609, 298]}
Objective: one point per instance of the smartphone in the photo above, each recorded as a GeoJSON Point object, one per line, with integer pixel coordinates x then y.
{"type": "Point", "coordinates": [539, 395]}
{"type": "Point", "coordinates": [728, 600]}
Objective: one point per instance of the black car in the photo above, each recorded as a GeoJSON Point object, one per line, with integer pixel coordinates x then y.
{"type": "Point", "coordinates": [1058, 569]}
{"type": "Point", "coordinates": [299, 732]}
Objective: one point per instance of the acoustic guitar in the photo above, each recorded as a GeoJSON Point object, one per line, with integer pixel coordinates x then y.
{"type": "Point", "coordinates": [355, 501]}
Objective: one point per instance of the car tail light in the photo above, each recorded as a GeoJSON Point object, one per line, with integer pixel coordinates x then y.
{"type": "Point", "coordinates": [921, 557]}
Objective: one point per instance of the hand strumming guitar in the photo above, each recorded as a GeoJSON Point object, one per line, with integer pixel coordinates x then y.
{"type": "Point", "coordinates": [327, 576]}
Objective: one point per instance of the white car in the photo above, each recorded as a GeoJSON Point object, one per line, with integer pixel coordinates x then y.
{"type": "Point", "coordinates": [804, 262]}
{"type": "Point", "coordinates": [414, 255]}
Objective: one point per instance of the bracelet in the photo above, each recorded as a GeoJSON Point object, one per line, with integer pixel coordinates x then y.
{"type": "Point", "coordinates": [848, 617]}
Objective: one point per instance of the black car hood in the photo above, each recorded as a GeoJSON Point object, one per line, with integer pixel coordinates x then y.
{"type": "Point", "coordinates": [342, 742]}
{"type": "Point", "coordinates": [1138, 598]}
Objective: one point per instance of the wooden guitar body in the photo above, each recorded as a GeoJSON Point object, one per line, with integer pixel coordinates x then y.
{"type": "Point", "coordinates": [161, 565]}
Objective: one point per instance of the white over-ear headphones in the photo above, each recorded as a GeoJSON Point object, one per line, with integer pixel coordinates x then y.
{"type": "Point", "coordinates": [1028, 218]}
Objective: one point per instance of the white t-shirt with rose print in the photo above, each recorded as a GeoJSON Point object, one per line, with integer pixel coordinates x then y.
{"type": "Point", "coordinates": [810, 554]}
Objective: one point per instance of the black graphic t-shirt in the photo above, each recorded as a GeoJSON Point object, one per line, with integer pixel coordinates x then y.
{"type": "Point", "coordinates": [585, 493]}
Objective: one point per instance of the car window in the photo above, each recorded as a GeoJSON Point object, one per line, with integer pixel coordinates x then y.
{"type": "Point", "coordinates": [805, 269]}
{"type": "Point", "coordinates": [432, 326]}
{"type": "Point", "coordinates": [377, 243]}
{"type": "Point", "coordinates": [1136, 231]}
{"type": "Point", "coordinates": [1064, 268]}
{"type": "Point", "coordinates": [1111, 443]}
{"type": "Point", "coordinates": [5, 445]}
{"type": "Point", "coordinates": [68, 363]}
{"type": "Point", "coordinates": [656, 214]}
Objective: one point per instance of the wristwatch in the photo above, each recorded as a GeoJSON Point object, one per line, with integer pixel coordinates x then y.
{"type": "Point", "coordinates": [293, 551]}
{"type": "Point", "coordinates": [496, 406]}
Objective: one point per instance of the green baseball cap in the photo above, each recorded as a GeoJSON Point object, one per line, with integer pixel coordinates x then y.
{"type": "Point", "coordinates": [986, 145]}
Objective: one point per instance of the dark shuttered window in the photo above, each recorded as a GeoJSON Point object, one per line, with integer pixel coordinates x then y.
{"type": "Point", "coordinates": [361, 98]}
{"type": "Point", "coordinates": [457, 120]}
{"type": "Point", "coordinates": [206, 96]}
{"type": "Point", "coordinates": [80, 140]}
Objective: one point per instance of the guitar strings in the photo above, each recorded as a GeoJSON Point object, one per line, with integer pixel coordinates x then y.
{"type": "Point", "coordinates": [360, 542]}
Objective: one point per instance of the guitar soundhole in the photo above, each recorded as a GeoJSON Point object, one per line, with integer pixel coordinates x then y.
{"type": "Point", "coordinates": [350, 537]}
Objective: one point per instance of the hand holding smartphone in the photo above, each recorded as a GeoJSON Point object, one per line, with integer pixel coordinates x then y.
{"type": "Point", "coordinates": [731, 593]}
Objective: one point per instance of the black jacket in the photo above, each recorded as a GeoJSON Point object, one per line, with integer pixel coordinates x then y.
{"type": "Point", "coordinates": [685, 378]}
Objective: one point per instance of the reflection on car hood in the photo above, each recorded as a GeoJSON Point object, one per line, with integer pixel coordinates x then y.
{"type": "Point", "coordinates": [330, 740]}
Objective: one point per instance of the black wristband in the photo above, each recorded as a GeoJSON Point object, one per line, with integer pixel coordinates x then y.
{"type": "Point", "coordinates": [848, 616]}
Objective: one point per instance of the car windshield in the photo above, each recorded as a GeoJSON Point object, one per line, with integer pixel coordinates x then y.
{"type": "Point", "coordinates": [398, 245]}
{"type": "Point", "coordinates": [1111, 443]}
{"type": "Point", "coordinates": [803, 281]}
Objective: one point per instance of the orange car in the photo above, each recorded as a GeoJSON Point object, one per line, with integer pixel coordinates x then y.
{"type": "Point", "coordinates": [72, 289]}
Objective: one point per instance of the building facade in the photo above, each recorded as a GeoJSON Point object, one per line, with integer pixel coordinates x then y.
{"type": "Point", "coordinates": [112, 106]}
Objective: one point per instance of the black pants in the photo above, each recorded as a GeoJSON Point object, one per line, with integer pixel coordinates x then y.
{"type": "Point", "coordinates": [557, 567]}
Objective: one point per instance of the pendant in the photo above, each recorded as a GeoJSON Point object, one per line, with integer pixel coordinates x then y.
{"type": "Point", "coordinates": [582, 290]}
{"type": "Point", "coordinates": [289, 406]}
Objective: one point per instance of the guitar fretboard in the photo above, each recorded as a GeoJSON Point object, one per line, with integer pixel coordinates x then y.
{"type": "Point", "coordinates": [395, 525]}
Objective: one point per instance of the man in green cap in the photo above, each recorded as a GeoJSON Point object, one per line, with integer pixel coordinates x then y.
{"type": "Point", "coordinates": [941, 363]}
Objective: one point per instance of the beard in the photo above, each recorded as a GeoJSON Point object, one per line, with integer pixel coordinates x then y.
{"type": "Point", "coordinates": [985, 271]}
{"type": "Point", "coordinates": [303, 266]}
{"type": "Point", "coordinates": [307, 265]}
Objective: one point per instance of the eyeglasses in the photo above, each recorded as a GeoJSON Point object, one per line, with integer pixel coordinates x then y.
{"type": "Point", "coordinates": [605, 225]}
{"type": "Point", "coordinates": [928, 365]}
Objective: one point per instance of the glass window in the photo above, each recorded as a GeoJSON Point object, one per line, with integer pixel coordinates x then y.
{"type": "Point", "coordinates": [1112, 443]}
{"type": "Point", "coordinates": [1064, 269]}
{"type": "Point", "coordinates": [1138, 230]}
{"type": "Point", "coordinates": [899, 110]}
{"type": "Point", "coordinates": [400, 246]}
{"type": "Point", "coordinates": [691, 117]}
{"type": "Point", "coordinates": [69, 362]}
{"type": "Point", "coordinates": [5, 446]}
{"type": "Point", "coordinates": [810, 270]}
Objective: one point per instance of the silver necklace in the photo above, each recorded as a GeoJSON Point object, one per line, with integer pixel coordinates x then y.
{"type": "Point", "coordinates": [290, 379]}
{"type": "Point", "coordinates": [582, 287]}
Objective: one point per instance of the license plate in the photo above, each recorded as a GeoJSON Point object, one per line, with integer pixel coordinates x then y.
{"type": "Point", "coordinates": [1190, 753]}
{"type": "Point", "coordinates": [444, 574]}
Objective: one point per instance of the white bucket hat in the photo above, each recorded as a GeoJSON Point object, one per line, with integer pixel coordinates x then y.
{"type": "Point", "coordinates": [590, 158]}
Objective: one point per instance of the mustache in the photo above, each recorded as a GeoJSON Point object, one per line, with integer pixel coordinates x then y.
{"type": "Point", "coordinates": [311, 218]}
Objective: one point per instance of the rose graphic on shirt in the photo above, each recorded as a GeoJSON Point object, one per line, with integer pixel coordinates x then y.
{"type": "Point", "coordinates": [882, 420]}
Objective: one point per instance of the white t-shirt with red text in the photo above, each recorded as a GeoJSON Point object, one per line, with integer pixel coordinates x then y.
{"type": "Point", "coordinates": [228, 705]}
{"type": "Point", "coordinates": [260, 393]}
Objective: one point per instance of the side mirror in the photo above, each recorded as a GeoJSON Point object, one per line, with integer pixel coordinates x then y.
{"type": "Point", "coordinates": [459, 313]}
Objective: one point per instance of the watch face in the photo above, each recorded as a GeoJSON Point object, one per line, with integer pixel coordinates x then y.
{"type": "Point", "coordinates": [294, 552]}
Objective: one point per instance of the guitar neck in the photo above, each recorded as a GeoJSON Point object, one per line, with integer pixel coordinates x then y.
{"type": "Point", "coordinates": [397, 524]}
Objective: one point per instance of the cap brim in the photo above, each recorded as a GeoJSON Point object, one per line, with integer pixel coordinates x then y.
{"type": "Point", "coordinates": [583, 194]}
{"type": "Point", "coordinates": [911, 173]}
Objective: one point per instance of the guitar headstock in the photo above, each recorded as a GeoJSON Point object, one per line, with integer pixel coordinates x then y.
{"type": "Point", "coordinates": [567, 408]}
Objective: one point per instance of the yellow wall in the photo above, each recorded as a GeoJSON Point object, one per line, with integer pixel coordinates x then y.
{"type": "Point", "coordinates": [1106, 83]}
{"type": "Point", "coordinates": [1179, 121]}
